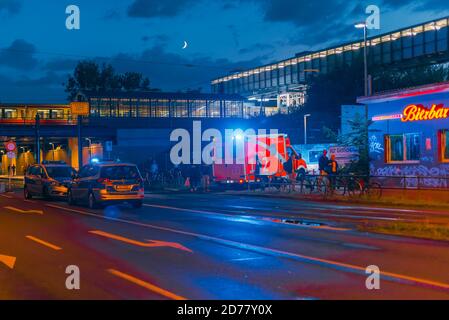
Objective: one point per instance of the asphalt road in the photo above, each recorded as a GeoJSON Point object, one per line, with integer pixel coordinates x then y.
{"type": "Point", "coordinates": [213, 246]}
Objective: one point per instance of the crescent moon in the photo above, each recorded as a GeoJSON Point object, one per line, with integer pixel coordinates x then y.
{"type": "Point", "coordinates": [185, 45]}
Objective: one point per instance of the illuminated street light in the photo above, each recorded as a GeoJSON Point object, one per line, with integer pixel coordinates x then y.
{"type": "Point", "coordinates": [362, 25]}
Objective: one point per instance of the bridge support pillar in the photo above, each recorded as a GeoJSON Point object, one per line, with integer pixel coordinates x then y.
{"type": "Point", "coordinates": [74, 156]}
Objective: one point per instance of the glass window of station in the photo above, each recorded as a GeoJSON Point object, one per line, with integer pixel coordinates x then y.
{"type": "Point", "coordinates": [207, 106]}
{"type": "Point", "coordinates": [24, 113]}
{"type": "Point", "coordinates": [429, 40]}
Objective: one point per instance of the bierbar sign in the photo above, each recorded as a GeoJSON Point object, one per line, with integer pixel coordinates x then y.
{"type": "Point", "coordinates": [417, 112]}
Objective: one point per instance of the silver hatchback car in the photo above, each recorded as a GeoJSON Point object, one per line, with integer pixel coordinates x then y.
{"type": "Point", "coordinates": [103, 183]}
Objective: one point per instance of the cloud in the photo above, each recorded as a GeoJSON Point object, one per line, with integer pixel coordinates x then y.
{"type": "Point", "coordinates": [257, 47]}
{"type": "Point", "coordinates": [19, 55]}
{"type": "Point", "coordinates": [10, 6]}
{"type": "Point", "coordinates": [157, 8]}
{"type": "Point", "coordinates": [112, 15]}
{"type": "Point", "coordinates": [172, 72]}
{"type": "Point", "coordinates": [60, 65]}
{"type": "Point", "coordinates": [323, 22]}
{"type": "Point", "coordinates": [47, 88]}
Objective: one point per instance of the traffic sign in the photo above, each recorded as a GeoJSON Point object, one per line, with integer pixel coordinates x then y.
{"type": "Point", "coordinates": [79, 108]}
{"type": "Point", "coordinates": [10, 146]}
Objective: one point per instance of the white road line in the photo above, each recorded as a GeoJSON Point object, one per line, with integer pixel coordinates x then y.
{"type": "Point", "coordinates": [389, 276]}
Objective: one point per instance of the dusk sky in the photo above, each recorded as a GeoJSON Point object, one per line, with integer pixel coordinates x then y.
{"type": "Point", "coordinates": [37, 52]}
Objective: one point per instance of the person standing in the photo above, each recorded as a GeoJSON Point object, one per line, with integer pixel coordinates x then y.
{"type": "Point", "coordinates": [323, 164]}
{"type": "Point", "coordinates": [333, 170]}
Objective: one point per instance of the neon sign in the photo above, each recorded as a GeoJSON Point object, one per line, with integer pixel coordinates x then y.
{"type": "Point", "coordinates": [387, 117]}
{"type": "Point", "coordinates": [417, 112]}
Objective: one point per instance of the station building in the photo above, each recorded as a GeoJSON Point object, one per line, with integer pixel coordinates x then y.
{"type": "Point", "coordinates": [137, 123]}
{"type": "Point", "coordinates": [281, 85]}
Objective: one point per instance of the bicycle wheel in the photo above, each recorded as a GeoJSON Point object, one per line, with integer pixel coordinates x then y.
{"type": "Point", "coordinates": [374, 191]}
{"type": "Point", "coordinates": [322, 187]}
{"type": "Point", "coordinates": [354, 189]}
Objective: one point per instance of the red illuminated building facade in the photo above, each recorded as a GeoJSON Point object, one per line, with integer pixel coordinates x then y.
{"type": "Point", "coordinates": [409, 137]}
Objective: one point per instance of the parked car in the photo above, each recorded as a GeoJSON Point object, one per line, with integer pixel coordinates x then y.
{"type": "Point", "coordinates": [49, 180]}
{"type": "Point", "coordinates": [103, 183]}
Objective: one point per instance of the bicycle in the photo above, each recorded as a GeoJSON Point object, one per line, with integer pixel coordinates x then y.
{"type": "Point", "coordinates": [372, 190]}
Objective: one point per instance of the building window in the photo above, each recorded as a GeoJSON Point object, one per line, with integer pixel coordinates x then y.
{"type": "Point", "coordinates": [403, 147]}
{"type": "Point", "coordinates": [444, 145]}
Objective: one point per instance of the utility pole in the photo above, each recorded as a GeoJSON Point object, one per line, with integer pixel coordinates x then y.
{"type": "Point", "coordinates": [38, 138]}
{"type": "Point", "coordinates": [80, 144]}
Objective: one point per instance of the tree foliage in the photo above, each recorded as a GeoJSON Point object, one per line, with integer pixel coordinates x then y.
{"type": "Point", "coordinates": [89, 76]}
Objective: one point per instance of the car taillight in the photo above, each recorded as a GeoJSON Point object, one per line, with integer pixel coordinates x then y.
{"type": "Point", "coordinates": [103, 180]}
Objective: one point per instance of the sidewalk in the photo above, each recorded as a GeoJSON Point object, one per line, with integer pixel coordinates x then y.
{"type": "Point", "coordinates": [391, 197]}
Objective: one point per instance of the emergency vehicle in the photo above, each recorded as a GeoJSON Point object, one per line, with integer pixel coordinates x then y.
{"type": "Point", "coordinates": [264, 157]}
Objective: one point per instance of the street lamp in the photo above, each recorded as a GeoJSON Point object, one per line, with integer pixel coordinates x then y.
{"type": "Point", "coordinates": [363, 26]}
{"type": "Point", "coordinates": [305, 127]}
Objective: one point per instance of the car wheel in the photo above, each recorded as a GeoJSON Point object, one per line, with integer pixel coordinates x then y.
{"type": "Point", "coordinates": [45, 193]}
{"type": "Point", "coordinates": [70, 199]}
{"type": "Point", "coordinates": [26, 194]}
{"type": "Point", "coordinates": [92, 203]}
{"type": "Point", "coordinates": [137, 204]}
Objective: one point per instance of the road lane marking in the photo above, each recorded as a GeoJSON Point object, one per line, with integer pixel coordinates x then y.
{"type": "Point", "coordinates": [275, 252]}
{"type": "Point", "coordinates": [44, 243]}
{"type": "Point", "coordinates": [186, 210]}
{"type": "Point", "coordinates": [249, 218]}
{"type": "Point", "coordinates": [146, 285]}
{"type": "Point", "coordinates": [24, 211]}
{"type": "Point", "coordinates": [149, 244]}
{"type": "Point", "coordinates": [6, 196]}
{"type": "Point", "coordinates": [9, 261]}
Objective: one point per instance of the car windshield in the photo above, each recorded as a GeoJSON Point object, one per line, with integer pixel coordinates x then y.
{"type": "Point", "coordinates": [120, 172]}
{"type": "Point", "coordinates": [60, 172]}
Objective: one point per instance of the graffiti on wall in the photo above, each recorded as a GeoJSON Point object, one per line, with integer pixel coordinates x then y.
{"type": "Point", "coordinates": [375, 146]}
{"type": "Point", "coordinates": [414, 176]}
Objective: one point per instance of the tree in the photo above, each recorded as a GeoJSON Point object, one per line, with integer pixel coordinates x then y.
{"type": "Point", "coordinates": [131, 81]}
{"type": "Point", "coordinates": [89, 76]}
{"type": "Point", "coordinates": [356, 137]}
{"type": "Point", "coordinates": [109, 80]}
{"type": "Point", "coordinates": [85, 77]}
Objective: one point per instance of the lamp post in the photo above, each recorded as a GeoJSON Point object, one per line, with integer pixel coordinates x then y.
{"type": "Point", "coordinates": [90, 148]}
{"type": "Point", "coordinates": [305, 127]}
{"type": "Point", "coordinates": [362, 25]}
